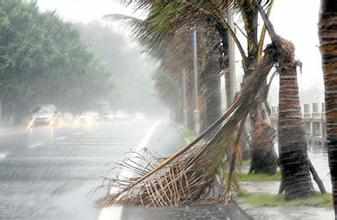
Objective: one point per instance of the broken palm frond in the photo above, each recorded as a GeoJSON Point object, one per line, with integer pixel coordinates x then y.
{"type": "Point", "coordinates": [189, 174]}
{"type": "Point", "coordinates": [264, 30]}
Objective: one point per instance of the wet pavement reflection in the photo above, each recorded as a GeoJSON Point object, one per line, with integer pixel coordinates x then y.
{"type": "Point", "coordinates": [51, 174]}
{"type": "Point", "coordinates": [47, 175]}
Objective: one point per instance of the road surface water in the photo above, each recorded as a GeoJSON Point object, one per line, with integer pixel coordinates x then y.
{"type": "Point", "coordinates": [51, 174]}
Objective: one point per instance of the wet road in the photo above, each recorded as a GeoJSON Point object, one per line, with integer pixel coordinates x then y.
{"type": "Point", "coordinates": [51, 174]}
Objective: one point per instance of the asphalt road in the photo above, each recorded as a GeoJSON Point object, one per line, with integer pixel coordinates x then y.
{"type": "Point", "coordinates": [51, 174]}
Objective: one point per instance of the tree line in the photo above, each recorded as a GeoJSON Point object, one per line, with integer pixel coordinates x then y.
{"type": "Point", "coordinates": [43, 61]}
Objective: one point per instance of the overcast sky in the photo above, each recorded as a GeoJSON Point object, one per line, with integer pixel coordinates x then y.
{"type": "Point", "coordinates": [295, 20]}
{"type": "Point", "coordinates": [83, 10]}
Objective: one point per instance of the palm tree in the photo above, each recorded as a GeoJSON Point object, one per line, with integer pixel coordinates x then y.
{"type": "Point", "coordinates": [328, 39]}
{"type": "Point", "coordinates": [164, 20]}
{"type": "Point", "coordinates": [293, 157]}
{"type": "Point", "coordinates": [262, 147]}
{"type": "Point", "coordinates": [177, 58]}
{"type": "Point", "coordinates": [190, 173]}
{"type": "Point", "coordinates": [198, 164]}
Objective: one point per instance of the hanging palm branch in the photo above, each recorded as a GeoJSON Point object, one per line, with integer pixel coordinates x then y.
{"type": "Point", "coordinates": [190, 173]}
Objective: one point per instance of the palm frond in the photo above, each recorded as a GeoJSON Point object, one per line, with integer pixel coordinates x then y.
{"type": "Point", "coordinates": [188, 174]}
{"type": "Point", "coordinates": [166, 17]}
{"type": "Point", "coordinates": [155, 42]}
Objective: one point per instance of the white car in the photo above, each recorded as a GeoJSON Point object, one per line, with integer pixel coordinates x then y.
{"type": "Point", "coordinates": [43, 118]}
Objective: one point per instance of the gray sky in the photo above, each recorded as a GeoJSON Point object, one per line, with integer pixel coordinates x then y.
{"type": "Point", "coordinates": [296, 20]}
{"type": "Point", "coordinates": [83, 10]}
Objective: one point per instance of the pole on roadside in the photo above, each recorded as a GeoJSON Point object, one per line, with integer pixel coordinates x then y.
{"type": "Point", "coordinates": [230, 78]}
{"type": "Point", "coordinates": [196, 82]}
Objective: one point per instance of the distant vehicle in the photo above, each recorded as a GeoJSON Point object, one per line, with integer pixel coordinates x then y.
{"type": "Point", "coordinates": [43, 116]}
{"type": "Point", "coordinates": [87, 119]}
{"type": "Point", "coordinates": [108, 116]}
{"type": "Point", "coordinates": [44, 119]}
{"type": "Point", "coordinates": [93, 115]}
{"type": "Point", "coordinates": [121, 115]}
{"type": "Point", "coordinates": [67, 119]}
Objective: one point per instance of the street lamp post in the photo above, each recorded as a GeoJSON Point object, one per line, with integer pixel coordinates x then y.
{"type": "Point", "coordinates": [230, 78]}
{"type": "Point", "coordinates": [196, 82]}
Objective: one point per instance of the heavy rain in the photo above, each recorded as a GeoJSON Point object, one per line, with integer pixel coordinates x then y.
{"type": "Point", "coordinates": [170, 110]}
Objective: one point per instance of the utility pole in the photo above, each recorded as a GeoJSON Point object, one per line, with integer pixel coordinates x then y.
{"type": "Point", "coordinates": [230, 78]}
{"type": "Point", "coordinates": [196, 82]}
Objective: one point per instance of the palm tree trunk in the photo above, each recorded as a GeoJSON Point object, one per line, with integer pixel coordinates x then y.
{"type": "Point", "coordinates": [210, 80]}
{"type": "Point", "coordinates": [211, 91]}
{"type": "Point", "coordinates": [264, 158]}
{"type": "Point", "coordinates": [262, 146]}
{"type": "Point", "coordinates": [294, 162]}
{"type": "Point", "coordinates": [328, 39]}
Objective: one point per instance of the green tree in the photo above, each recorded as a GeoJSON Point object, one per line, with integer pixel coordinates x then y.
{"type": "Point", "coordinates": [44, 62]}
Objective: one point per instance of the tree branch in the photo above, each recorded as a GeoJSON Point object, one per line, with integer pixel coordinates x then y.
{"type": "Point", "coordinates": [269, 26]}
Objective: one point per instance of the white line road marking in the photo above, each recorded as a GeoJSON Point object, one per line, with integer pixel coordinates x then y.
{"type": "Point", "coordinates": [147, 137]}
{"type": "Point", "coordinates": [115, 212]}
{"type": "Point", "coordinates": [35, 145]}
{"type": "Point", "coordinates": [126, 173]}
{"type": "Point", "coordinates": [111, 213]}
